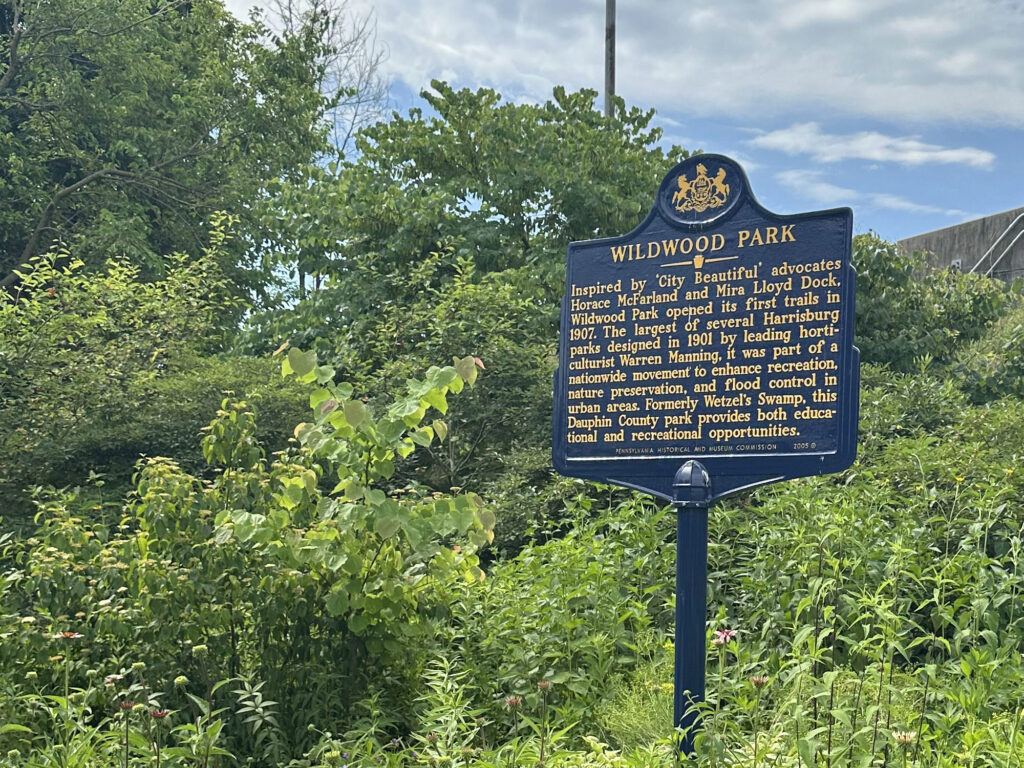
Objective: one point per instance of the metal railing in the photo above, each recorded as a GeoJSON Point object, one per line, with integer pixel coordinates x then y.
{"type": "Point", "coordinates": [996, 243]}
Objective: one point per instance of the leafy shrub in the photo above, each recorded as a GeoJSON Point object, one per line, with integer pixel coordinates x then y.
{"type": "Point", "coordinates": [576, 611]}
{"type": "Point", "coordinates": [906, 312]}
{"type": "Point", "coordinates": [993, 367]}
{"type": "Point", "coordinates": [97, 369]}
{"type": "Point", "coordinates": [894, 404]}
{"type": "Point", "coordinates": [262, 574]}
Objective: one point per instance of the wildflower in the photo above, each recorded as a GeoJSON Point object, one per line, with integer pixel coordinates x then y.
{"type": "Point", "coordinates": [432, 737]}
{"type": "Point", "coordinates": [723, 636]}
{"type": "Point", "coordinates": [513, 702]}
{"type": "Point", "coordinates": [31, 675]}
{"type": "Point", "coordinates": [760, 681]}
{"type": "Point", "coordinates": [68, 636]}
{"type": "Point", "coordinates": [125, 705]}
{"type": "Point", "coordinates": [111, 680]}
{"type": "Point", "coordinates": [958, 478]}
{"type": "Point", "coordinates": [904, 738]}
{"type": "Point", "coordinates": [543, 685]}
{"type": "Point", "coordinates": [181, 681]}
{"type": "Point", "coordinates": [159, 714]}
{"type": "Point", "coordinates": [138, 666]}
{"type": "Point", "coordinates": [199, 650]}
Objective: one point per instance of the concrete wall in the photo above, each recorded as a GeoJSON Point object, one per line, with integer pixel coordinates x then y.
{"type": "Point", "coordinates": [969, 241]}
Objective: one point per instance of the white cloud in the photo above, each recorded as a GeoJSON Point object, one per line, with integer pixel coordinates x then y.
{"type": "Point", "coordinates": [811, 186]}
{"type": "Point", "coordinates": [809, 139]}
{"type": "Point", "coordinates": [915, 61]}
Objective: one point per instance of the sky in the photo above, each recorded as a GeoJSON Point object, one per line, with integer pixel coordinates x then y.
{"type": "Point", "coordinates": [910, 112]}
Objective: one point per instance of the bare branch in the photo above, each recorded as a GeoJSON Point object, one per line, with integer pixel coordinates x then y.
{"type": "Point", "coordinates": [352, 80]}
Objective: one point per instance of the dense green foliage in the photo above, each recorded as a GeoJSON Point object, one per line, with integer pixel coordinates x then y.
{"type": "Point", "coordinates": [259, 572]}
{"type": "Point", "coordinates": [903, 318]}
{"type": "Point", "coordinates": [97, 369]}
{"type": "Point", "coordinates": [230, 566]}
{"type": "Point", "coordinates": [124, 126]}
{"type": "Point", "coordinates": [447, 235]}
{"type": "Point", "coordinates": [885, 600]}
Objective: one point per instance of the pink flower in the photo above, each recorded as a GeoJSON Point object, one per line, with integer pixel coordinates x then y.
{"type": "Point", "coordinates": [723, 636]}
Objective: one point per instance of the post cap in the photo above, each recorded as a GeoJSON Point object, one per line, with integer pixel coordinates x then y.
{"type": "Point", "coordinates": [692, 486]}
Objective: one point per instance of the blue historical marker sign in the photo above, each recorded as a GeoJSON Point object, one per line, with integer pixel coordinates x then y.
{"type": "Point", "coordinates": [716, 331]}
{"type": "Point", "coordinates": [707, 351]}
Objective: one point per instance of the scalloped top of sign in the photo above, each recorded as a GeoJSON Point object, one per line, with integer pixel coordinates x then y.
{"type": "Point", "coordinates": [701, 189]}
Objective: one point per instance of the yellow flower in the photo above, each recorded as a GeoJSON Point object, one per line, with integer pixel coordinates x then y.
{"type": "Point", "coordinates": [958, 479]}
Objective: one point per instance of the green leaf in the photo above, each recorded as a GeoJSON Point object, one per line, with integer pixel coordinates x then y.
{"type": "Point", "coordinates": [386, 527]}
{"type": "Point", "coordinates": [335, 560]}
{"type": "Point", "coordinates": [355, 412]}
{"type": "Point", "coordinates": [422, 436]}
{"type": "Point", "coordinates": [440, 429]}
{"type": "Point", "coordinates": [353, 564]}
{"type": "Point", "coordinates": [358, 622]}
{"type": "Point", "coordinates": [416, 531]}
{"type": "Point", "coordinates": [301, 362]}
{"type": "Point", "coordinates": [806, 751]}
{"type": "Point", "coordinates": [466, 368]}
{"type": "Point", "coordinates": [222, 535]}
{"type": "Point", "coordinates": [436, 398]}
{"type": "Point", "coordinates": [337, 601]}
{"type": "Point", "coordinates": [488, 519]}
{"type": "Point", "coordinates": [14, 728]}
{"type": "Point", "coordinates": [560, 677]}
{"type": "Point", "coordinates": [463, 520]}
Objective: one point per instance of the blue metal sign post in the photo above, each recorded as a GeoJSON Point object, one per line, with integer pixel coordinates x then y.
{"type": "Point", "coordinates": [692, 498]}
{"type": "Point", "coordinates": [708, 351]}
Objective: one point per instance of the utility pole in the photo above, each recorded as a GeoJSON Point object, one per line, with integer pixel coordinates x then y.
{"type": "Point", "coordinates": [609, 56]}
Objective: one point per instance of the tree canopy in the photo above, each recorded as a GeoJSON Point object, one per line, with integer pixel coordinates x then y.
{"type": "Point", "coordinates": [124, 126]}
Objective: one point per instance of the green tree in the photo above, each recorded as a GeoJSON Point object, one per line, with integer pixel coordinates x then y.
{"type": "Point", "coordinates": [99, 368]}
{"type": "Point", "coordinates": [124, 125]}
{"type": "Point", "coordinates": [447, 235]}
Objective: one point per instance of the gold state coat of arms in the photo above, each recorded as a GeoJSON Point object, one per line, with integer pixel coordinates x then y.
{"type": "Point", "coordinates": [702, 193]}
